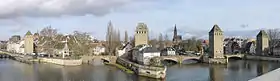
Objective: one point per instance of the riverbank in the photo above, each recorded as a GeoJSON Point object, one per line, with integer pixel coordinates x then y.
{"type": "Point", "coordinates": [120, 67]}
{"type": "Point", "coordinates": [17, 57]}
{"type": "Point", "coordinates": [262, 58]}
{"type": "Point", "coordinates": [147, 71]}
{"type": "Point", "coordinates": [64, 62]}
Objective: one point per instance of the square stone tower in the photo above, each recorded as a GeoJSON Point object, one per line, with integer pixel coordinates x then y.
{"type": "Point", "coordinates": [28, 43]}
{"type": "Point", "coordinates": [262, 43]}
{"type": "Point", "coordinates": [216, 38]}
{"type": "Point", "coordinates": [141, 34]}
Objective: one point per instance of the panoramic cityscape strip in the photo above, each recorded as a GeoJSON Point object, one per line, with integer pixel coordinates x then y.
{"type": "Point", "coordinates": [139, 55]}
{"type": "Point", "coordinates": [139, 40]}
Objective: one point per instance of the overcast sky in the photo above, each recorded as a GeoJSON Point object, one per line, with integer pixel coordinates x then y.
{"type": "Point", "coordinates": [193, 17]}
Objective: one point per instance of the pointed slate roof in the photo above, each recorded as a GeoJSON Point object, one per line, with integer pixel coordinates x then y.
{"type": "Point", "coordinates": [175, 28]}
{"type": "Point", "coordinates": [28, 33]}
{"type": "Point", "coordinates": [262, 33]}
{"type": "Point", "coordinates": [215, 28]}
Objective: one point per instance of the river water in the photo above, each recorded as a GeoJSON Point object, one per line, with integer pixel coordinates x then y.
{"type": "Point", "coordinates": [236, 70]}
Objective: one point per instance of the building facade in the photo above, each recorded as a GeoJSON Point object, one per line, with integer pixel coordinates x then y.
{"type": "Point", "coordinates": [143, 54]}
{"type": "Point", "coordinates": [233, 45]}
{"type": "Point", "coordinates": [15, 38]}
{"type": "Point", "coordinates": [98, 50]}
{"type": "Point", "coordinates": [124, 49]}
{"type": "Point", "coordinates": [15, 47]}
{"type": "Point", "coordinates": [141, 34]}
{"type": "Point", "coordinates": [28, 43]}
{"type": "Point", "coordinates": [216, 38]}
{"type": "Point", "coordinates": [262, 43]}
{"type": "Point", "coordinates": [169, 51]}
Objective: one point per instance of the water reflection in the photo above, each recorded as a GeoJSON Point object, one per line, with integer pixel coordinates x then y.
{"type": "Point", "coordinates": [236, 70]}
{"type": "Point", "coordinates": [216, 73]}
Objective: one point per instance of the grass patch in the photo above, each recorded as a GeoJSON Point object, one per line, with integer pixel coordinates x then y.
{"type": "Point", "coordinates": [121, 67]}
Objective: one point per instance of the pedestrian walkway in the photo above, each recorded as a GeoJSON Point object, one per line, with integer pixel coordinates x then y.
{"type": "Point", "coordinates": [270, 76]}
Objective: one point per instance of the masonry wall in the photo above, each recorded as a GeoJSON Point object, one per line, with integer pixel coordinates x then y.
{"type": "Point", "coordinates": [216, 45]}
{"type": "Point", "coordinates": [28, 44]}
{"type": "Point", "coordinates": [262, 45]}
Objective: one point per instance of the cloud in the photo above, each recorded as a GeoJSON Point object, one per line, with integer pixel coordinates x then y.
{"type": "Point", "coordinates": [14, 25]}
{"type": "Point", "coordinates": [53, 8]}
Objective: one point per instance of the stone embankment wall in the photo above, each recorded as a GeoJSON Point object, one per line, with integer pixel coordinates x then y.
{"type": "Point", "coordinates": [148, 71]}
{"type": "Point", "coordinates": [17, 57]}
{"type": "Point", "coordinates": [205, 59]}
{"type": "Point", "coordinates": [91, 59]}
{"type": "Point", "coordinates": [263, 58]}
{"type": "Point", "coordinates": [62, 61]}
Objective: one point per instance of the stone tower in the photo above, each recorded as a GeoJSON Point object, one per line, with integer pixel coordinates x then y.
{"type": "Point", "coordinates": [216, 37]}
{"type": "Point", "coordinates": [262, 43]}
{"type": "Point", "coordinates": [141, 34]}
{"type": "Point", "coordinates": [28, 43]}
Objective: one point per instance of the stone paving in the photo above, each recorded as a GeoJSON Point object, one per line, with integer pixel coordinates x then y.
{"type": "Point", "coordinates": [270, 76]}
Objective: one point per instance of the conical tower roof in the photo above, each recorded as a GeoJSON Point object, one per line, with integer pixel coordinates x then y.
{"type": "Point", "coordinates": [262, 33]}
{"type": "Point", "coordinates": [28, 33]}
{"type": "Point", "coordinates": [215, 28]}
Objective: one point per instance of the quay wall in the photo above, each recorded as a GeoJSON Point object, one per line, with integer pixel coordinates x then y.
{"type": "Point", "coordinates": [148, 71]}
{"type": "Point", "coordinates": [17, 57]}
{"type": "Point", "coordinates": [262, 58]}
{"type": "Point", "coordinates": [205, 59]}
{"type": "Point", "coordinates": [63, 62]}
{"type": "Point", "coordinates": [90, 59]}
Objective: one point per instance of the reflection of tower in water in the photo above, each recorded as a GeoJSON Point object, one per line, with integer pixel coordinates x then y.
{"type": "Point", "coordinates": [216, 73]}
{"type": "Point", "coordinates": [262, 68]}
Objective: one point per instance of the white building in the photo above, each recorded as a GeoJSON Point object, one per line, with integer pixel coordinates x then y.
{"type": "Point", "coordinates": [252, 48]}
{"type": "Point", "coordinates": [16, 47]}
{"type": "Point", "coordinates": [168, 51]}
{"type": "Point", "coordinates": [126, 47]}
{"type": "Point", "coordinates": [98, 50]}
{"type": "Point", "coordinates": [144, 53]}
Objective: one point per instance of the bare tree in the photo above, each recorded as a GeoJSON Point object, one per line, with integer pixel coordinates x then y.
{"type": "Point", "coordinates": [80, 43]}
{"type": "Point", "coordinates": [274, 35]}
{"type": "Point", "coordinates": [161, 42]}
{"type": "Point", "coordinates": [154, 42]}
{"type": "Point", "coordinates": [125, 37]}
{"type": "Point", "coordinates": [166, 40]}
{"type": "Point", "coordinates": [109, 38]}
{"type": "Point", "coordinates": [112, 39]}
{"type": "Point", "coordinates": [132, 41]}
{"type": "Point", "coordinates": [48, 31]}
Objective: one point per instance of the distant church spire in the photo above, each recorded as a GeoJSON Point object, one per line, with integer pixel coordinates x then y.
{"type": "Point", "coordinates": [175, 33]}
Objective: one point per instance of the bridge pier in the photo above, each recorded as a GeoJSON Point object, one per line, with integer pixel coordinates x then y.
{"type": "Point", "coordinates": [4, 56]}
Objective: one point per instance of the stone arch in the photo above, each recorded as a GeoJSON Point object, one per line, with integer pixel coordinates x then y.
{"type": "Point", "coordinates": [191, 59]}
{"type": "Point", "coordinates": [234, 57]}
{"type": "Point", "coordinates": [104, 60]}
{"type": "Point", "coordinates": [169, 61]}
